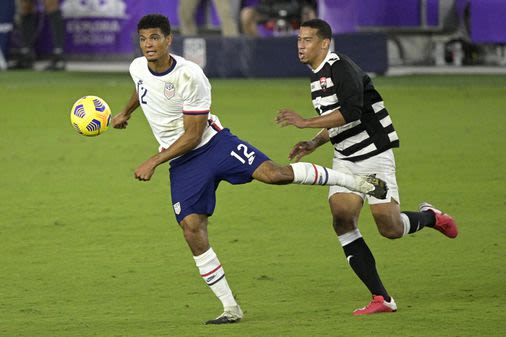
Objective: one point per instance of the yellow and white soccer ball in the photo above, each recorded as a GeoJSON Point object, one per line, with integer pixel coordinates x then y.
{"type": "Point", "coordinates": [90, 116]}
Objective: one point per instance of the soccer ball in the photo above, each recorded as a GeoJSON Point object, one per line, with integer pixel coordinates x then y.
{"type": "Point", "coordinates": [90, 116]}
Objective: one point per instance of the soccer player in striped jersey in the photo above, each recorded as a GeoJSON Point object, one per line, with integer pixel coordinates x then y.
{"type": "Point", "coordinates": [175, 97]}
{"type": "Point", "coordinates": [352, 116]}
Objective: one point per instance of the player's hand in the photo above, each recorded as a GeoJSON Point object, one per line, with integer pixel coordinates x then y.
{"type": "Point", "coordinates": [287, 117]}
{"type": "Point", "coordinates": [145, 171]}
{"type": "Point", "coordinates": [301, 149]}
{"type": "Point", "coordinates": [120, 121]}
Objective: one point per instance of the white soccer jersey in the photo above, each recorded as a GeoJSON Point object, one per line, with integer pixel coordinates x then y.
{"type": "Point", "coordinates": [166, 97]}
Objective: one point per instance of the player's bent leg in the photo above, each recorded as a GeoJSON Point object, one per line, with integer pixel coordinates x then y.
{"type": "Point", "coordinates": [388, 219]}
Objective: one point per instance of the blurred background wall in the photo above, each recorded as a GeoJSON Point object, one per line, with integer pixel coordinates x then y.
{"type": "Point", "coordinates": [377, 33]}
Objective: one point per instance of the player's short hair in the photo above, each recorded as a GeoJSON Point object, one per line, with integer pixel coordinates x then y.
{"type": "Point", "coordinates": [154, 21]}
{"type": "Point", "coordinates": [323, 29]}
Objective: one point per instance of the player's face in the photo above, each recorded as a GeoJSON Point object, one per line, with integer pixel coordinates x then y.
{"type": "Point", "coordinates": [312, 49]}
{"type": "Point", "coordinates": [154, 45]}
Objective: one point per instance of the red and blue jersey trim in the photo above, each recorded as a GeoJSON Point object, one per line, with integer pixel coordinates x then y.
{"type": "Point", "coordinates": [215, 126]}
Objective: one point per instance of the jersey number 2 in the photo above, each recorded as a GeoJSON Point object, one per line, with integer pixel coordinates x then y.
{"type": "Point", "coordinates": [142, 94]}
{"type": "Point", "coordinates": [248, 156]}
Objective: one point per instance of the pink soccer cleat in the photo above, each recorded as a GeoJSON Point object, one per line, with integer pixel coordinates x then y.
{"type": "Point", "coordinates": [377, 305]}
{"type": "Point", "coordinates": [444, 223]}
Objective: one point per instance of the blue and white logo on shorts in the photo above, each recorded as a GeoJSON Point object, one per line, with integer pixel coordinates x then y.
{"type": "Point", "coordinates": [177, 208]}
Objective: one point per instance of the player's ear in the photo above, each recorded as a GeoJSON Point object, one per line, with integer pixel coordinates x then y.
{"type": "Point", "coordinates": [169, 39]}
{"type": "Point", "coordinates": [325, 43]}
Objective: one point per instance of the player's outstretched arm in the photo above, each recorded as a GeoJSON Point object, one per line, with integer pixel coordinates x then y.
{"type": "Point", "coordinates": [120, 120]}
{"type": "Point", "coordinates": [287, 117]}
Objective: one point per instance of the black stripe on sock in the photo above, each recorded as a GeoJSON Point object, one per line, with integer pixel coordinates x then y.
{"type": "Point", "coordinates": [216, 281]}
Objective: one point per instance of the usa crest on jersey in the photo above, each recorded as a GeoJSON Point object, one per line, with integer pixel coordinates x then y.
{"type": "Point", "coordinates": [177, 208]}
{"type": "Point", "coordinates": [169, 91]}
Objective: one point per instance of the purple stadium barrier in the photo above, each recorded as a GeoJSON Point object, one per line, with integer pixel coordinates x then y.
{"type": "Point", "coordinates": [487, 21]}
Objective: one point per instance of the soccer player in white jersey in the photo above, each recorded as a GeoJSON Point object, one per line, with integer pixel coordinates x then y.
{"type": "Point", "coordinates": [353, 117]}
{"type": "Point", "coordinates": [175, 97]}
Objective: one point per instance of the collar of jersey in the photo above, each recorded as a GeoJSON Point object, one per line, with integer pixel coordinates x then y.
{"type": "Point", "coordinates": [172, 66]}
{"type": "Point", "coordinates": [321, 64]}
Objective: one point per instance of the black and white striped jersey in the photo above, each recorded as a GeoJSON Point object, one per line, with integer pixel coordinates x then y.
{"type": "Point", "coordinates": [338, 83]}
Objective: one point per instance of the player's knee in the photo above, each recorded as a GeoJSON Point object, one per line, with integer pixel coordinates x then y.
{"type": "Point", "coordinates": [192, 230]}
{"type": "Point", "coordinates": [390, 232]}
{"type": "Point", "coordinates": [281, 175]}
{"type": "Point", "coordinates": [343, 223]}
{"type": "Point", "coordinates": [271, 173]}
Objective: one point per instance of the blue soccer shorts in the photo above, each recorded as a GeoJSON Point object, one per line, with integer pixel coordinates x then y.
{"type": "Point", "coordinates": [195, 176]}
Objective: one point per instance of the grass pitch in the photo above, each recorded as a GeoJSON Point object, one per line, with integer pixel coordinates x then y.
{"type": "Point", "coordinates": [86, 250]}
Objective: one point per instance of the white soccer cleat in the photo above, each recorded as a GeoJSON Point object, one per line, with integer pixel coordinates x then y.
{"type": "Point", "coordinates": [372, 186]}
{"type": "Point", "coordinates": [230, 315]}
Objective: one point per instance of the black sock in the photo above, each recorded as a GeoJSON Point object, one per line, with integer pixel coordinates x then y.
{"type": "Point", "coordinates": [363, 264]}
{"type": "Point", "coordinates": [418, 220]}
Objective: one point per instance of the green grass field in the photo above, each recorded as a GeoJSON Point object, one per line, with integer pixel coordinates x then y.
{"type": "Point", "coordinates": [86, 250]}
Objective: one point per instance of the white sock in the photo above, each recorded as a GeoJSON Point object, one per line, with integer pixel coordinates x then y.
{"type": "Point", "coordinates": [406, 224]}
{"type": "Point", "coordinates": [312, 174]}
{"type": "Point", "coordinates": [349, 237]}
{"type": "Point", "coordinates": [213, 274]}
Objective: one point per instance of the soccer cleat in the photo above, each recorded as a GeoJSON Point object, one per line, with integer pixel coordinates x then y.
{"type": "Point", "coordinates": [376, 306]}
{"type": "Point", "coordinates": [230, 315]}
{"type": "Point", "coordinates": [372, 186]}
{"type": "Point", "coordinates": [444, 223]}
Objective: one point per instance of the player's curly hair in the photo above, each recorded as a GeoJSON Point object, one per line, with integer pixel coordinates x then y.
{"type": "Point", "coordinates": [323, 28]}
{"type": "Point", "coordinates": [154, 21]}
